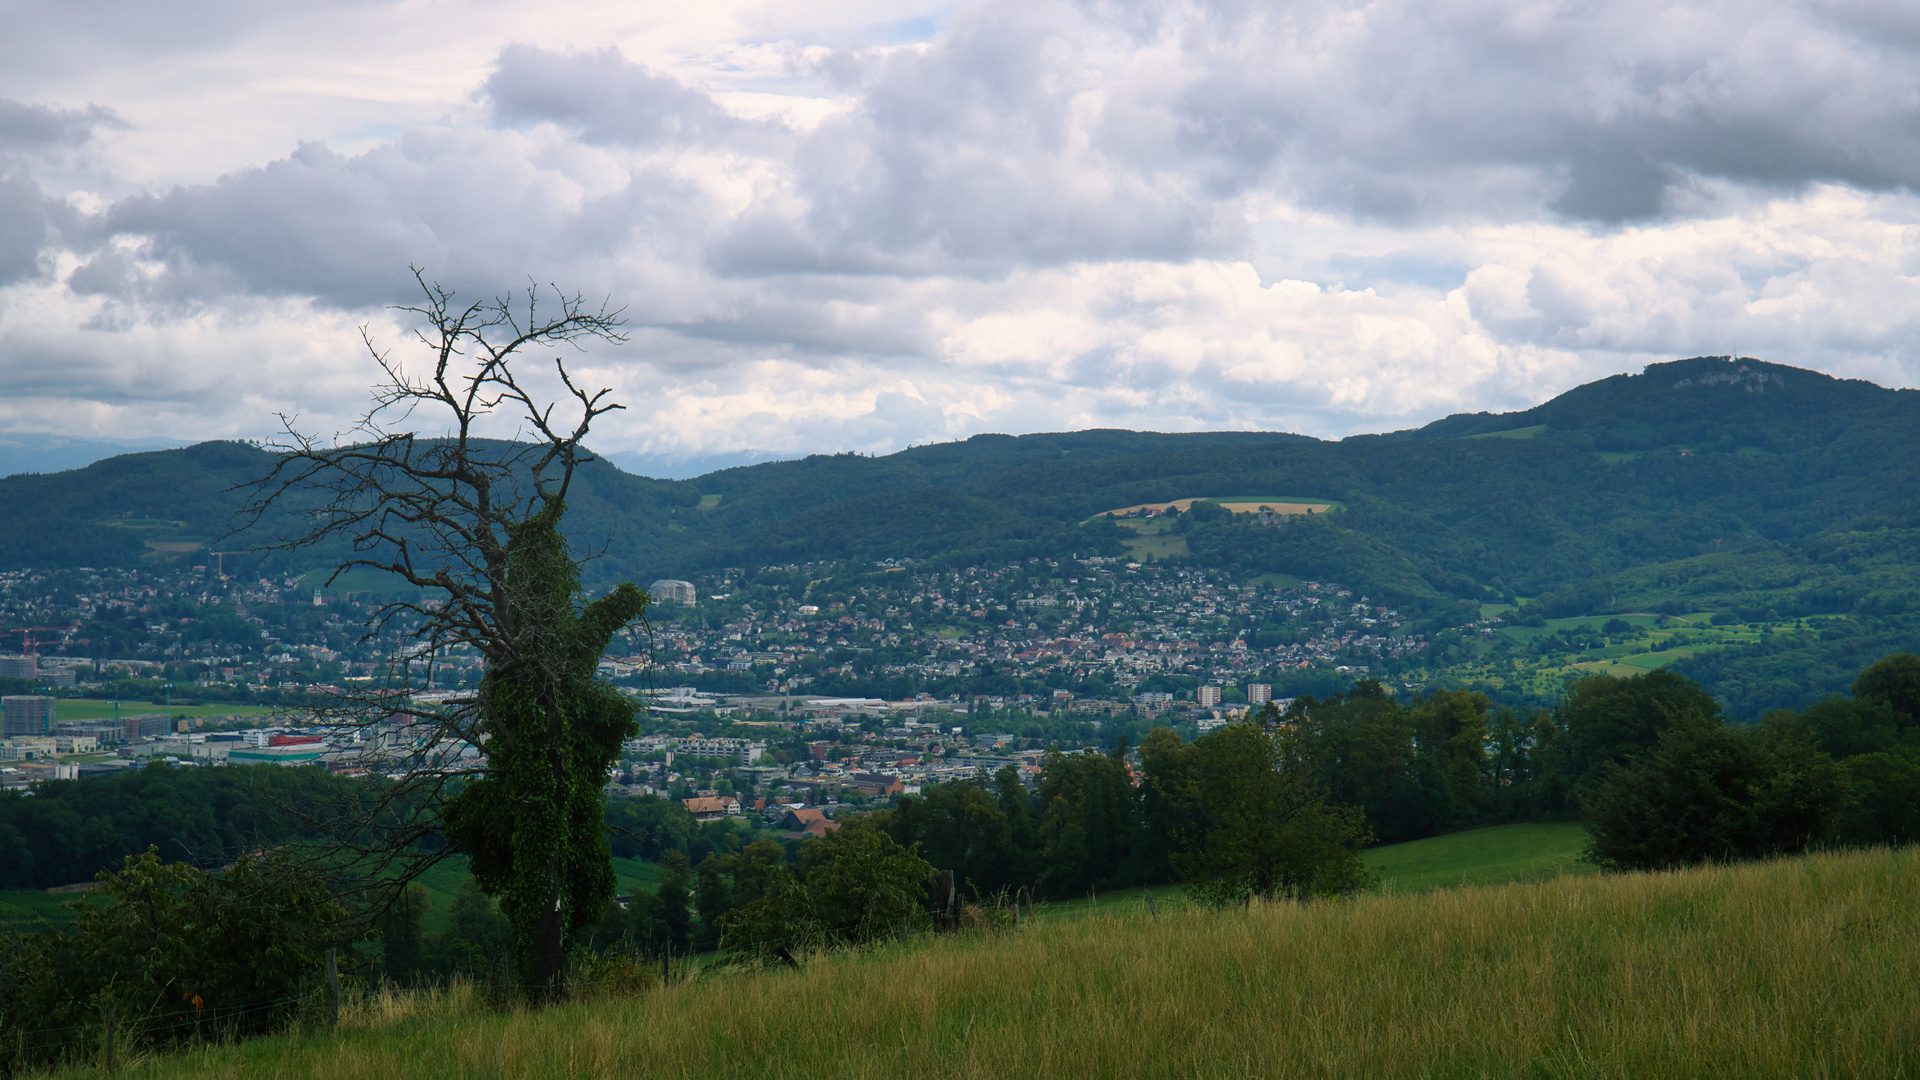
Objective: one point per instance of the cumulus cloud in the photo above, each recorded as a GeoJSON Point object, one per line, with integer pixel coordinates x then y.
{"type": "Point", "coordinates": [30, 136]}
{"type": "Point", "coordinates": [1322, 216]}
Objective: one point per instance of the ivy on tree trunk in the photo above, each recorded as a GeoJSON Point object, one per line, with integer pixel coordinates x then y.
{"type": "Point", "coordinates": [534, 825]}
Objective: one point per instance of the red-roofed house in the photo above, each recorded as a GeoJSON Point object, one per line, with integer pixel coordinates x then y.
{"type": "Point", "coordinates": [805, 822]}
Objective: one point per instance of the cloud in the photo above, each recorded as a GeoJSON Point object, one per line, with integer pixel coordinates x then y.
{"type": "Point", "coordinates": [32, 136]}
{"type": "Point", "coordinates": [607, 99]}
{"type": "Point", "coordinates": [31, 129]}
{"type": "Point", "coordinates": [1320, 216]}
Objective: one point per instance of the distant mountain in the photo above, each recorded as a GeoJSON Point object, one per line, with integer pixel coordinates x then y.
{"type": "Point", "coordinates": [36, 452]}
{"type": "Point", "coordinates": [1577, 502]}
{"type": "Point", "coordinates": [1707, 402]}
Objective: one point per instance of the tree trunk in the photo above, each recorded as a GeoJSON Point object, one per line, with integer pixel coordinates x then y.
{"type": "Point", "coordinates": [546, 953]}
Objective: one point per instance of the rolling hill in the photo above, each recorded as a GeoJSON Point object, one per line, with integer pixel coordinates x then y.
{"type": "Point", "coordinates": [1704, 483]}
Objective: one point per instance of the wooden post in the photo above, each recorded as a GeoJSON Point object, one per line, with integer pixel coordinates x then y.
{"type": "Point", "coordinates": [1151, 910]}
{"type": "Point", "coordinates": [109, 1036]}
{"type": "Point", "coordinates": [333, 983]}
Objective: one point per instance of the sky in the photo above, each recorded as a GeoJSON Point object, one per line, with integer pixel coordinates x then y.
{"type": "Point", "coordinates": [849, 225]}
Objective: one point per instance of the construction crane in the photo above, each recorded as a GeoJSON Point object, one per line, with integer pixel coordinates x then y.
{"type": "Point", "coordinates": [220, 563]}
{"type": "Point", "coordinates": [29, 646]}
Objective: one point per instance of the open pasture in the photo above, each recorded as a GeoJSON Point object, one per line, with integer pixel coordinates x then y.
{"type": "Point", "coordinates": [106, 709]}
{"type": "Point", "coordinates": [1491, 856]}
{"type": "Point", "coordinates": [1239, 504]}
{"type": "Point", "coordinates": [1581, 622]}
{"type": "Point", "coordinates": [1513, 433]}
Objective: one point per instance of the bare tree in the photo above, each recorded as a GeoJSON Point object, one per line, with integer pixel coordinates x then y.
{"type": "Point", "coordinates": [473, 525]}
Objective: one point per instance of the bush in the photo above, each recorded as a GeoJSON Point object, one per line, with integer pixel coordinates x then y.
{"type": "Point", "coordinates": [1708, 792]}
{"type": "Point", "coordinates": [1885, 808]}
{"type": "Point", "coordinates": [180, 954]}
{"type": "Point", "coordinates": [860, 887]}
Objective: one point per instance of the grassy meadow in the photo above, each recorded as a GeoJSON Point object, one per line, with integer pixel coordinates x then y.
{"type": "Point", "coordinates": [1808, 967]}
{"type": "Point", "coordinates": [107, 708]}
{"type": "Point", "coordinates": [1490, 856]}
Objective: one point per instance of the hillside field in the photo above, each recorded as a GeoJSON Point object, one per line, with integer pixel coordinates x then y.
{"type": "Point", "coordinates": [1804, 967]}
{"type": "Point", "coordinates": [1491, 856]}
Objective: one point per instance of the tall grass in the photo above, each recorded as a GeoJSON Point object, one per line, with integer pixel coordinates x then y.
{"type": "Point", "coordinates": [1807, 967]}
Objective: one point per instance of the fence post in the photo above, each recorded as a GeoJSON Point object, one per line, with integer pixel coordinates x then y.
{"type": "Point", "coordinates": [109, 1036]}
{"type": "Point", "coordinates": [1152, 910]}
{"type": "Point", "coordinates": [333, 983]}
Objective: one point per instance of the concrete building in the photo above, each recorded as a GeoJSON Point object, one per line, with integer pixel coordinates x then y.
{"type": "Point", "coordinates": [672, 589]}
{"type": "Point", "coordinates": [144, 727]}
{"type": "Point", "coordinates": [26, 714]}
{"type": "Point", "coordinates": [18, 667]}
{"type": "Point", "coordinates": [1209, 696]}
{"type": "Point", "coordinates": [1259, 693]}
{"type": "Point", "coordinates": [106, 731]}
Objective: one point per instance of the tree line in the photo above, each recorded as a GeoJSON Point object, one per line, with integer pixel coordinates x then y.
{"type": "Point", "coordinates": [1280, 805]}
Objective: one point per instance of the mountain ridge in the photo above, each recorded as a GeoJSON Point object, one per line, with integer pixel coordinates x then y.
{"type": "Point", "coordinates": [1689, 459]}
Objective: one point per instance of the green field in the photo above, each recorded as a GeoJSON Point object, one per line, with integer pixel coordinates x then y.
{"type": "Point", "coordinates": [101, 709]}
{"type": "Point", "coordinates": [444, 880]}
{"type": "Point", "coordinates": [1491, 856]}
{"type": "Point", "coordinates": [1512, 433]}
{"type": "Point", "coordinates": [1582, 622]}
{"type": "Point", "coordinates": [1276, 500]}
{"type": "Point", "coordinates": [1155, 539]}
{"type": "Point", "coordinates": [1804, 967]}
{"type": "Point", "coordinates": [29, 909]}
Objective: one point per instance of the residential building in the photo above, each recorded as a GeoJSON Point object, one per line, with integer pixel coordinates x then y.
{"type": "Point", "coordinates": [672, 589]}
{"type": "Point", "coordinates": [1209, 696]}
{"type": "Point", "coordinates": [1259, 693]}
{"type": "Point", "coordinates": [797, 824]}
{"type": "Point", "coordinates": [711, 807]}
{"type": "Point", "coordinates": [105, 731]}
{"type": "Point", "coordinates": [26, 714]}
{"type": "Point", "coordinates": [145, 726]}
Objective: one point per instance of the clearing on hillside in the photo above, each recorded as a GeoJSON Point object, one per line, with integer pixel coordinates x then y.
{"type": "Point", "coordinates": [1239, 504]}
{"type": "Point", "coordinates": [1490, 856]}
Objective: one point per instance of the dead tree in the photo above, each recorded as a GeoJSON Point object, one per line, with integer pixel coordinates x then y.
{"type": "Point", "coordinates": [474, 524]}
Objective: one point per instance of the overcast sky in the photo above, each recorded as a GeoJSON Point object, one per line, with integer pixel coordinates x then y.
{"type": "Point", "coordinates": [854, 225]}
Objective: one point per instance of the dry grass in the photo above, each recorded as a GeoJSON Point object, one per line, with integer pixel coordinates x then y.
{"type": "Point", "coordinates": [1804, 968]}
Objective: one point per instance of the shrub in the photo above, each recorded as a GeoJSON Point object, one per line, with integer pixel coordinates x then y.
{"type": "Point", "coordinates": [1708, 792]}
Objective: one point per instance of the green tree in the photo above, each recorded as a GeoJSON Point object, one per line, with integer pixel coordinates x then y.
{"type": "Point", "coordinates": [1364, 749]}
{"type": "Point", "coordinates": [1884, 807]}
{"type": "Point", "coordinates": [1893, 681]}
{"type": "Point", "coordinates": [956, 826]}
{"type": "Point", "coordinates": [180, 953]}
{"type": "Point", "coordinates": [404, 945]}
{"type": "Point", "coordinates": [1089, 828]}
{"type": "Point", "coordinates": [1607, 720]}
{"type": "Point", "coordinates": [477, 935]}
{"type": "Point", "coordinates": [475, 527]}
{"type": "Point", "coordinates": [1706, 791]}
{"type": "Point", "coordinates": [858, 886]}
{"type": "Point", "coordinates": [1249, 818]}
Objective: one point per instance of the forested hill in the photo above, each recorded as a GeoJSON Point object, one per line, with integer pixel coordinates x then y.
{"type": "Point", "coordinates": [1690, 478]}
{"type": "Point", "coordinates": [1704, 403]}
